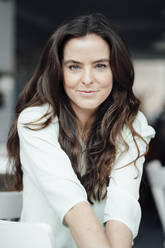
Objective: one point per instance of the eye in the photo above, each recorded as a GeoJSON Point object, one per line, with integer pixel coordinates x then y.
{"type": "Point", "coordinates": [74, 67]}
{"type": "Point", "coordinates": [101, 66]}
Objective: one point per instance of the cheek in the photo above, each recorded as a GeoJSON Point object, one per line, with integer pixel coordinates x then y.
{"type": "Point", "coordinates": [104, 76]}
{"type": "Point", "coordinates": [107, 85]}
{"type": "Point", "coordinates": [107, 82]}
{"type": "Point", "coordinates": [69, 87]}
{"type": "Point", "coordinates": [70, 80]}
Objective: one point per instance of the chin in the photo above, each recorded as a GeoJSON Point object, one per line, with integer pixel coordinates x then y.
{"type": "Point", "coordinates": [90, 108]}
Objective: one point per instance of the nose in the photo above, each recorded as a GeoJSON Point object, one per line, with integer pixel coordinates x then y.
{"type": "Point", "coordinates": [87, 77]}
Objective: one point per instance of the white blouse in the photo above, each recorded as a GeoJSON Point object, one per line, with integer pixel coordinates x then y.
{"type": "Point", "coordinates": [51, 187]}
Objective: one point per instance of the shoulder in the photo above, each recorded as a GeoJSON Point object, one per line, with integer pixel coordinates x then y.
{"type": "Point", "coordinates": [30, 120]}
{"type": "Point", "coordinates": [34, 114]}
{"type": "Point", "coordinates": [144, 130]}
{"type": "Point", "coordinates": [141, 126]}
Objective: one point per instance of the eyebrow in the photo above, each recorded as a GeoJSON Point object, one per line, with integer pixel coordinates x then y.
{"type": "Point", "coordinates": [78, 62]}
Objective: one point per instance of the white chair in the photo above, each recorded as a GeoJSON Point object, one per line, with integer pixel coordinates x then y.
{"type": "Point", "coordinates": [3, 159]}
{"type": "Point", "coordinates": [10, 205]}
{"type": "Point", "coordinates": [156, 175]}
{"type": "Point", "coordinates": [3, 164]}
{"type": "Point", "coordinates": [26, 235]}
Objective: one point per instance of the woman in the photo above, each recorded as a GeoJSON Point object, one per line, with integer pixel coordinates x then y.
{"type": "Point", "coordinates": [79, 139]}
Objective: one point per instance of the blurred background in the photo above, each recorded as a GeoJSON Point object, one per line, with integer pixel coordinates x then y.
{"type": "Point", "coordinates": [25, 26]}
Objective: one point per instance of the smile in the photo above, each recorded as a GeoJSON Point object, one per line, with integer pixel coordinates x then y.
{"type": "Point", "coordinates": [87, 92]}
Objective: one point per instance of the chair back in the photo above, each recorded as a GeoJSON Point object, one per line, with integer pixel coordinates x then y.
{"type": "Point", "coordinates": [156, 175]}
{"type": "Point", "coordinates": [4, 166]}
{"type": "Point", "coordinates": [10, 205]}
{"type": "Point", "coordinates": [25, 235]}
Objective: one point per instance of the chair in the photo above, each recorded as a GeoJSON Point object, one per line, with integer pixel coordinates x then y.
{"type": "Point", "coordinates": [156, 175]}
{"type": "Point", "coordinates": [10, 205]}
{"type": "Point", "coordinates": [26, 235]}
{"type": "Point", "coordinates": [3, 163]}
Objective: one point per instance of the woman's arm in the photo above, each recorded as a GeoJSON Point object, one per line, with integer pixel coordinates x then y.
{"type": "Point", "coordinates": [122, 213]}
{"type": "Point", "coordinates": [85, 228]}
{"type": "Point", "coordinates": [50, 169]}
{"type": "Point", "coordinates": [118, 234]}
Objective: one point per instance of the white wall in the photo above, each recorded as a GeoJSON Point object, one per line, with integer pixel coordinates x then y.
{"type": "Point", "coordinates": [150, 85]}
{"type": "Point", "coordinates": [6, 112]}
{"type": "Point", "coordinates": [7, 34]}
{"type": "Point", "coordinates": [7, 50]}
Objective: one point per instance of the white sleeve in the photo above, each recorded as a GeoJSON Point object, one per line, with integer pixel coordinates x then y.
{"type": "Point", "coordinates": [48, 165]}
{"type": "Point", "coordinates": [123, 190]}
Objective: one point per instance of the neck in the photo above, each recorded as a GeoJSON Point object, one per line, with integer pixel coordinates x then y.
{"type": "Point", "coordinates": [84, 122]}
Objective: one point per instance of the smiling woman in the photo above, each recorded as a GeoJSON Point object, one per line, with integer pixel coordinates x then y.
{"type": "Point", "coordinates": [79, 139]}
{"type": "Point", "coordinates": [87, 74]}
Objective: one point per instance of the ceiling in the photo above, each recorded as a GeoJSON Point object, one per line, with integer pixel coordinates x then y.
{"type": "Point", "coordinates": [142, 23]}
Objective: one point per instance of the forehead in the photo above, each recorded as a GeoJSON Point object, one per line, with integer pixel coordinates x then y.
{"type": "Point", "coordinates": [86, 47]}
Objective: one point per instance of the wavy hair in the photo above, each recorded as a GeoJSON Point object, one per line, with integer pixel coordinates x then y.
{"type": "Point", "coordinates": [118, 110]}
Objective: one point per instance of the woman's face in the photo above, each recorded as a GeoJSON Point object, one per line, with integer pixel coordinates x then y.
{"type": "Point", "coordinates": [87, 73]}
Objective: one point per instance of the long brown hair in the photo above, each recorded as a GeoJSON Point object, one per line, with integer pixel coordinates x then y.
{"type": "Point", "coordinates": [119, 109]}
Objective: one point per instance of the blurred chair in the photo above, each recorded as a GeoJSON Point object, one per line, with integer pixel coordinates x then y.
{"type": "Point", "coordinates": [25, 235]}
{"type": "Point", "coordinates": [3, 163]}
{"type": "Point", "coordinates": [10, 205]}
{"type": "Point", "coordinates": [156, 175]}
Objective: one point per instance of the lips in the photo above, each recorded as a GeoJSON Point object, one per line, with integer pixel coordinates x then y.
{"type": "Point", "coordinates": [88, 91]}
